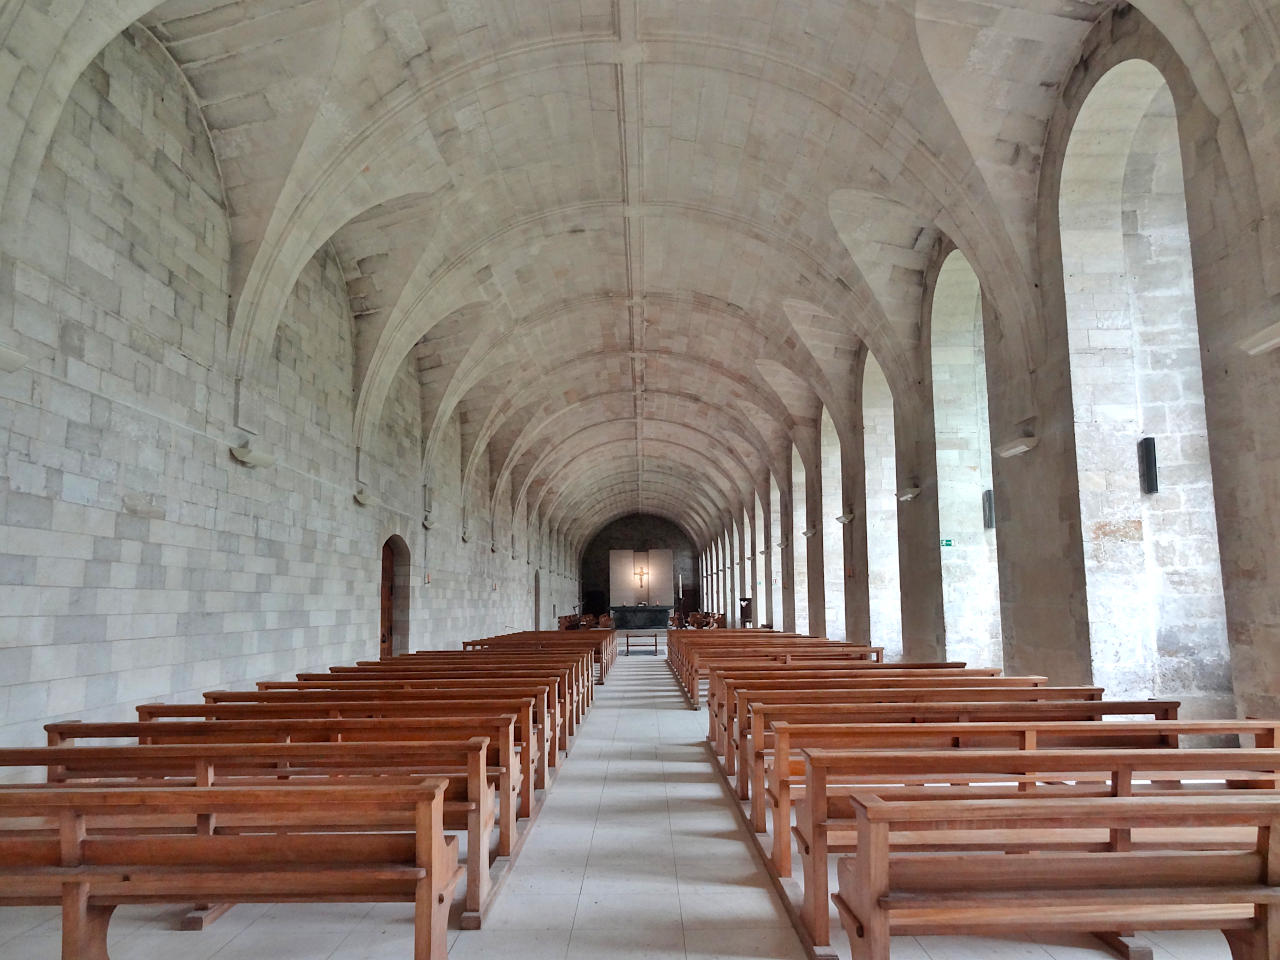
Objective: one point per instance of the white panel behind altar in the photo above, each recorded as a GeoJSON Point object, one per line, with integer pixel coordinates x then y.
{"type": "Point", "coordinates": [661, 574]}
{"type": "Point", "coordinates": [623, 585]}
{"type": "Point", "coordinates": [625, 589]}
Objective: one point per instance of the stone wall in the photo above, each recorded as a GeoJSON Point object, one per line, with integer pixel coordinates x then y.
{"type": "Point", "coordinates": [140, 561]}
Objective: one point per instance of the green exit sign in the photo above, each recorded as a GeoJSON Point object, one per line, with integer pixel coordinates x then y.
{"type": "Point", "coordinates": [947, 543]}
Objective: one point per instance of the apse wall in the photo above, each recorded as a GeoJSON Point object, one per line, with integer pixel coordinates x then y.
{"type": "Point", "coordinates": [634, 532]}
{"type": "Point", "coordinates": [138, 560]}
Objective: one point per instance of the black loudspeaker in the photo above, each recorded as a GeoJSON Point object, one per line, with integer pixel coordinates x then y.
{"type": "Point", "coordinates": [1148, 476]}
{"type": "Point", "coordinates": [988, 509]}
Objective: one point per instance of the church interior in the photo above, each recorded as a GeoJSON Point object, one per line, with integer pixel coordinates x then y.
{"type": "Point", "coordinates": [709, 439]}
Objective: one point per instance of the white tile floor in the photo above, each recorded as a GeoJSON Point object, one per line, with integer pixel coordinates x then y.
{"type": "Point", "coordinates": [637, 854]}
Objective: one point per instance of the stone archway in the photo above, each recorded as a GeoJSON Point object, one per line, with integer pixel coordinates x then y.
{"type": "Point", "coordinates": [1157, 621]}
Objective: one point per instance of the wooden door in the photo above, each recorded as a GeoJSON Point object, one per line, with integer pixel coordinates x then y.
{"type": "Point", "coordinates": [388, 606]}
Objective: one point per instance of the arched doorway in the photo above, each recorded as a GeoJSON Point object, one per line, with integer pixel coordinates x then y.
{"type": "Point", "coordinates": [393, 635]}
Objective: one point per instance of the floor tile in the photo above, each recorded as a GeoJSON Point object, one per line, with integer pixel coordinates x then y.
{"type": "Point", "coordinates": [779, 943]}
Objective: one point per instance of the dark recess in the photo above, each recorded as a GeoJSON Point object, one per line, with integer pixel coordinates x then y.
{"type": "Point", "coordinates": [637, 531]}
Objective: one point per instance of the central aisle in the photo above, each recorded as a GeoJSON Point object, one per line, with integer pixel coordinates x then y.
{"type": "Point", "coordinates": [638, 852]}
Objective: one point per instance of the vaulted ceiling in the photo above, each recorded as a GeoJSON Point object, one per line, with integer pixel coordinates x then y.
{"type": "Point", "coordinates": [631, 245]}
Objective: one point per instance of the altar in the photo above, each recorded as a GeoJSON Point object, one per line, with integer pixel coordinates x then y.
{"type": "Point", "coordinates": [655, 617]}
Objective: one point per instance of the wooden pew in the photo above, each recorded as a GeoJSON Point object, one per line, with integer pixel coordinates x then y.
{"type": "Point", "coordinates": [689, 661]}
{"type": "Point", "coordinates": [546, 707]}
{"type": "Point", "coordinates": [698, 662]}
{"type": "Point", "coordinates": [575, 668]}
{"type": "Point", "coordinates": [262, 845]}
{"type": "Point", "coordinates": [501, 731]}
{"type": "Point", "coordinates": [603, 650]}
{"type": "Point", "coordinates": [719, 669]}
{"type": "Point", "coordinates": [579, 659]}
{"type": "Point", "coordinates": [470, 798]}
{"type": "Point", "coordinates": [1106, 890]}
{"type": "Point", "coordinates": [603, 643]}
{"type": "Point", "coordinates": [680, 644]}
{"type": "Point", "coordinates": [722, 715]}
{"type": "Point", "coordinates": [758, 750]}
{"type": "Point", "coordinates": [825, 824]}
{"type": "Point", "coordinates": [858, 691]}
{"type": "Point", "coordinates": [782, 771]}
{"type": "Point", "coordinates": [529, 737]}
{"type": "Point", "coordinates": [578, 663]}
{"type": "Point", "coordinates": [566, 706]}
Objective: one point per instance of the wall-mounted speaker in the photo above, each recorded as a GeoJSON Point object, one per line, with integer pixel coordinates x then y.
{"type": "Point", "coordinates": [988, 509]}
{"type": "Point", "coordinates": [1148, 476]}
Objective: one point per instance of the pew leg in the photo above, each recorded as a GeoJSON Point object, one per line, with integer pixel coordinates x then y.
{"type": "Point", "coordinates": [759, 817]}
{"type": "Point", "coordinates": [526, 783]}
{"type": "Point", "coordinates": [430, 923]}
{"type": "Point", "coordinates": [852, 927]}
{"type": "Point", "coordinates": [814, 908]}
{"type": "Point", "coordinates": [541, 774]}
{"type": "Point", "coordinates": [478, 881]}
{"type": "Point", "coordinates": [507, 820]}
{"type": "Point", "coordinates": [1262, 942]}
{"type": "Point", "coordinates": [1244, 944]}
{"type": "Point", "coordinates": [553, 747]}
{"type": "Point", "coordinates": [1124, 946]}
{"type": "Point", "coordinates": [84, 927]}
{"type": "Point", "coordinates": [781, 807]}
{"type": "Point", "coordinates": [867, 941]}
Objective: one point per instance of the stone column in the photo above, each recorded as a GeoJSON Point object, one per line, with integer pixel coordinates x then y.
{"type": "Point", "coordinates": [857, 599]}
{"type": "Point", "coordinates": [786, 536]}
{"type": "Point", "coordinates": [919, 556]}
